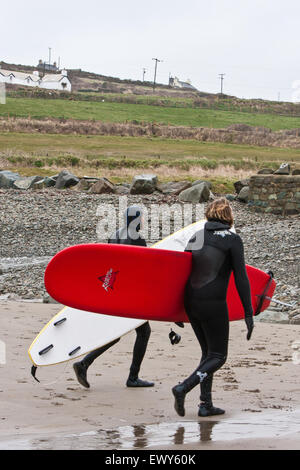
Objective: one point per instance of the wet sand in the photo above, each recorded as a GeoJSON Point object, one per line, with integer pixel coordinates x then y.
{"type": "Point", "coordinates": [258, 387]}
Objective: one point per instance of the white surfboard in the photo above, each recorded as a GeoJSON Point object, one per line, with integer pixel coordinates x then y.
{"type": "Point", "coordinates": [73, 333]}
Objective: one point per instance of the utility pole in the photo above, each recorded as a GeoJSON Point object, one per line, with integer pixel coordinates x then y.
{"type": "Point", "coordinates": [156, 60]}
{"type": "Point", "coordinates": [221, 75]}
{"type": "Point", "coordinates": [49, 55]}
{"type": "Point", "coordinates": [144, 71]}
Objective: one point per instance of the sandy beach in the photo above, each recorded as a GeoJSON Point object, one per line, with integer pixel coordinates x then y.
{"type": "Point", "coordinates": [258, 387]}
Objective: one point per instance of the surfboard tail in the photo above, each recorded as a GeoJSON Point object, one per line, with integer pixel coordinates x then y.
{"type": "Point", "coordinates": [266, 296]}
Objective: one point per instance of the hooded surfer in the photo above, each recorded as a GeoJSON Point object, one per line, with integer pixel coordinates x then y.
{"type": "Point", "coordinates": [216, 252]}
{"type": "Point", "coordinates": [129, 234]}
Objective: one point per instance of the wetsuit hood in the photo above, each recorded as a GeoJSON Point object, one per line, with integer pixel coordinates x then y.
{"type": "Point", "coordinates": [133, 213]}
{"type": "Point", "coordinates": [216, 224]}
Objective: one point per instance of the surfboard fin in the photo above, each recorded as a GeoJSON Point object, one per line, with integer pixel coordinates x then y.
{"type": "Point", "coordinates": [59, 322]}
{"type": "Point", "coordinates": [47, 349]}
{"type": "Point", "coordinates": [74, 351]}
{"type": "Point", "coordinates": [33, 372]}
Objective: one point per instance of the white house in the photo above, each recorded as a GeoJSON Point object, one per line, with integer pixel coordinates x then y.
{"type": "Point", "coordinates": [56, 81]}
{"type": "Point", "coordinates": [176, 83]}
{"type": "Point", "coordinates": [50, 82]}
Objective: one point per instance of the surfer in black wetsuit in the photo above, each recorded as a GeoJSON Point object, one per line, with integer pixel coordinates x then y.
{"type": "Point", "coordinates": [127, 235]}
{"type": "Point", "coordinates": [216, 251]}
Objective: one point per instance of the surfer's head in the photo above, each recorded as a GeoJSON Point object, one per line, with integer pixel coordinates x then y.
{"type": "Point", "coordinates": [133, 217]}
{"type": "Point", "coordinates": [220, 209]}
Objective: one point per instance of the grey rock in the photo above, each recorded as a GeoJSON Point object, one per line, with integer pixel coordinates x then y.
{"type": "Point", "coordinates": [295, 320]}
{"type": "Point", "coordinates": [265, 171]}
{"type": "Point", "coordinates": [296, 171]}
{"type": "Point", "coordinates": [103, 186]}
{"type": "Point", "coordinates": [238, 185]}
{"type": "Point", "coordinates": [122, 189]}
{"type": "Point", "coordinates": [272, 316]}
{"type": "Point", "coordinates": [211, 196]}
{"type": "Point", "coordinates": [49, 181]}
{"type": "Point", "coordinates": [85, 184]}
{"type": "Point", "coordinates": [195, 194]}
{"type": "Point", "coordinates": [230, 197]}
{"type": "Point", "coordinates": [7, 179]}
{"type": "Point", "coordinates": [47, 299]}
{"type": "Point", "coordinates": [209, 184]}
{"type": "Point", "coordinates": [65, 180]}
{"type": "Point", "coordinates": [143, 184]}
{"type": "Point", "coordinates": [26, 182]}
{"type": "Point", "coordinates": [294, 313]}
{"type": "Point", "coordinates": [243, 195]}
{"type": "Point", "coordinates": [173, 188]}
{"type": "Point", "coordinates": [284, 169]}
{"type": "Point", "coordinates": [39, 185]}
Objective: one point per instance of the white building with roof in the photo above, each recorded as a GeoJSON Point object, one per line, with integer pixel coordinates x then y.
{"type": "Point", "coordinates": [49, 81]}
{"type": "Point", "coordinates": [174, 82]}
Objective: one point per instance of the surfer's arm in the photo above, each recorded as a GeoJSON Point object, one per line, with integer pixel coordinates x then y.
{"type": "Point", "coordinates": [240, 275]}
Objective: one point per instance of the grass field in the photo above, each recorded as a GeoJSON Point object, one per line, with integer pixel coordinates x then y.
{"type": "Point", "coordinates": [120, 158]}
{"type": "Point", "coordinates": [96, 146]}
{"type": "Point", "coordinates": [122, 112]}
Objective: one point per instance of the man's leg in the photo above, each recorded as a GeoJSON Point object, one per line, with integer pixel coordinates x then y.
{"type": "Point", "coordinates": [180, 390]}
{"type": "Point", "coordinates": [215, 324]}
{"type": "Point", "coordinates": [142, 337]}
{"type": "Point", "coordinates": [82, 366]}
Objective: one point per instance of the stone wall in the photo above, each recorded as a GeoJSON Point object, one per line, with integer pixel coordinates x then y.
{"type": "Point", "coordinates": [278, 194]}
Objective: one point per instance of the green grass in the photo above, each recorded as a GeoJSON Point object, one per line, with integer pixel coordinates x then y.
{"type": "Point", "coordinates": [122, 112]}
{"type": "Point", "coordinates": [119, 158]}
{"type": "Point", "coordinates": [139, 148]}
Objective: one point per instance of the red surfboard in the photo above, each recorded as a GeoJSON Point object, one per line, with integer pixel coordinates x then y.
{"type": "Point", "coordinates": [137, 282]}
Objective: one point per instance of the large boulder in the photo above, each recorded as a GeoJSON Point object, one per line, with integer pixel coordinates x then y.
{"type": "Point", "coordinates": [27, 182]}
{"type": "Point", "coordinates": [209, 184]}
{"type": "Point", "coordinates": [7, 179]}
{"type": "Point", "coordinates": [284, 169]}
{"type": "Point", "coordinates": [46, 182]}
{"type": "Point", "coordinates": [143, 184]}
{"type": "Point", "coordinates": [173, 188]}
{"type": "Point", "coordinates": [103, 186]}
{"type": "Point", "coordinates": [66, 179]}
{"type": "Point", "coordinates": [85, 184]}
{"type": "Point", "coordinates": [243, 195]}
{"type": "Point", "coordinates": [238, 185]}
{"type": "Point", "coordinates": [198, 193]}
{"type": "Point", "coordinates": [122, 189]}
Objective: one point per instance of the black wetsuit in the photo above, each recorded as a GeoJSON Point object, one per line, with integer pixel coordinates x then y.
{"type": "Point", "coordinates": [216, 251]}
{"type": "Point", "coordinates": [128, 235]}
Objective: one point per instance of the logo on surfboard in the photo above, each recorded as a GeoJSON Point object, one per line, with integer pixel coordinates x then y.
{"type": "Point", "coordinates": [109, 279]}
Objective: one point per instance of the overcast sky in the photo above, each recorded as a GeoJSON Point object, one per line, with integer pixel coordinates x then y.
{"type": "Point", "coordinates": [256, 43]}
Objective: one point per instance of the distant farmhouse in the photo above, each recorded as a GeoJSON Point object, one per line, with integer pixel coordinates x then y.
{"type": "Point", "coordinates": [51, 81]}
{"type": "Point", "coordinates": [49, 67]}
{"type": "Point", "coordinates": [174, 82]}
